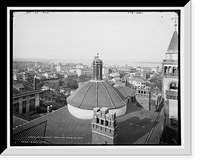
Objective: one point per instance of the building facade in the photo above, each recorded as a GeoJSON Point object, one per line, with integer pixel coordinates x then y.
{"type": "Point", "coordinates": [25, 100]}
{"type": "Point", "coordinates": [84, 71]}
{"type": "Point", "coordinates": [126, 69]}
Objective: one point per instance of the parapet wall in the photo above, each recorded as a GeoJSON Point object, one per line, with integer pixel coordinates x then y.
{"type": "Point", "coordinates": [103, 126]}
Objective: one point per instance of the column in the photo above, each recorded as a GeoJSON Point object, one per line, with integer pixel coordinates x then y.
{"type": "Point", "coordinates": [93, 72]}
{"type": "Point", "coordinates": [100, 72]}
{"type": "Point", "coordinates": [37, 100]}
{"type": "Point", "coordinates": [27, 107]}
{"type": "Point", "coordinates": [96, 72]}
{"type": "Point", "coordinates": [20, 105]}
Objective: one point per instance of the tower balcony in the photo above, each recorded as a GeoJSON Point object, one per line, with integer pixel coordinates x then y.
{"type": "Point", "coordinates": [172, 95]}
{"type": "Point", "coordinates": [170, 61]}
{"type": "Point", "coordinates": [171, 74]}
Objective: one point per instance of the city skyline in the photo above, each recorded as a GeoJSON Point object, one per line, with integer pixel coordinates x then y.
{"type": "Point", "coordinates": [121, 36]}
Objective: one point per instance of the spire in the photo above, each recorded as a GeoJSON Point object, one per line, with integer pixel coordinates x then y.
{"type": "Point", "coordinates": [173, 46]}
{"type": "Point", "coordinates": [175, 20]}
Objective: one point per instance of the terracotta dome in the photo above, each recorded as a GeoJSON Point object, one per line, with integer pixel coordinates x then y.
{"type": "Point", "coordinates": [96, 94]}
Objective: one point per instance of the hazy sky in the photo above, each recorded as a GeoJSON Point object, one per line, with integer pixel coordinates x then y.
{"type": "Point", "coordinates": [78, 35]}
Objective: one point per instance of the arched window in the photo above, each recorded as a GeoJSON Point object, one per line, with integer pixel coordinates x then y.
{"type": "Point", "coordinates": [170, 69]}
{"type": "Point", "coordinates": [165, 70]}
{"type": "Point", "coordinates": [174, 70]}
{"type": "Point", "coordinates": [173, 86]}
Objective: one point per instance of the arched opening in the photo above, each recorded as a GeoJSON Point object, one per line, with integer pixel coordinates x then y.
{"type": "Point", "coordinates": [165, 70]}
{"type": "Point", "coordinates": [170, 69]}
{"type": "Point", "coordinates": [173, 86]}
{"type": "Point", "coordinates": [174, 70]}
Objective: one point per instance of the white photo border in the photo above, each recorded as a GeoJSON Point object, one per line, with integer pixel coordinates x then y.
{"type": "Point", "coordinates": [186, 143]}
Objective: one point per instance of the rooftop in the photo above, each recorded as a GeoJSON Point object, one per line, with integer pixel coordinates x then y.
{"type": "Point", "coordinates": [173, 46]}
{"type": "Point", "coordinates": [27, 90]}
{"type": "Point", "coordinates": [137, 126]}
{"type": "Point", "coordinates": [96, 93]}
{"type": "Point", "coordinates": [126, 91]}
{"type": "Point", "coordinates": [126, 67]}
{"type": "Point", "coordinates": [17, 85]}
{"type": "Point", "coordinates": [138, 80]}
{"type": "Point", "coordinates": [71, 73]}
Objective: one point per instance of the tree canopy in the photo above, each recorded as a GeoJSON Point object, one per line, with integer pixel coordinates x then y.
{"type": "Point", "coordinates": [156, 81]}
{"type": "Point", "coordinates": [83, 78]}
{"type": "Point", "coordinates": [71, 83]}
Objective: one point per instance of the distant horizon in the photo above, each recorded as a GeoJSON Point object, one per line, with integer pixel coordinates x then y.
{"type": "Point", "coordinates": [24, 58]}
{"type": "Point", "coordinates": [116, 36]}
{"type": "Point", "coordinates": [119, 62]}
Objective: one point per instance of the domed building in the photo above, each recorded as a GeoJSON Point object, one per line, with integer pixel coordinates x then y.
{"type": "Point", "coordinates": [98, 114]}
{"type": "Point", "coordinates": [96, 93]}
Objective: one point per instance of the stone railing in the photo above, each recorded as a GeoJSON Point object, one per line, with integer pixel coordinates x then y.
{"type": "Point", "coordinates": [171, 74]}
{"type": "Point", "coordinates": [170, 61]}
{"type": "Point", "coordinates": [173, 95]}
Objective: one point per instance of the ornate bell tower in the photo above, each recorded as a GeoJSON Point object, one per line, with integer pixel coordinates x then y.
{"type": "Point", "coordinates": [170, 71]}
{"type": "Point", "coordinates": [170, 68]}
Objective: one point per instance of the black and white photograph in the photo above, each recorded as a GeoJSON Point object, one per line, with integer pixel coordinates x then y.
{"type": "Point", "coordinates": [95, 78]}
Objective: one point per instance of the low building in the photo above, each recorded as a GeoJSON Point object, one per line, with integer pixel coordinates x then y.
{"type": "Point", "coordinates": [79, 65]}
{"type": "Point", "coordinates": [115, 74]}
{"type": "Point", "coordinates": [25, 99]}
{"type": "Point", "coordinates": [46, 75]}
{"type": "Point", "coordinates": [52, 75]}
{"type": "Point", "coordinates": [155, 69]}
{"type": "Point", "coordinates": [44, 88]}
{"type": "Point", "coordinates": [105, 70]}
{"type": "Point", "coordinates": [19, 76]}
{"type": "Point", "coordinates": [126, 69]}
{"type": "Point", "coordinates": [71, 75]}
{"type": "Point", "coordinates": [115, 79]}
{"type": "Point", "coordinates": [135, 75]}
{"type": "Point", "coordinates": [65, 67]}
{"type": "Point", "coordinates": [137, 82]}
{"type": "Point", "coordinates": [84, 71]}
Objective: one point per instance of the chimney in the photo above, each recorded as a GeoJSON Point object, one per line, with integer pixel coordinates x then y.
{"type": "Point", "coordinates": [126, 83]}
{"type": "Point", "coordinates": [34, 83]}
{"type": "Point", "coordinates": [104, 127]}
